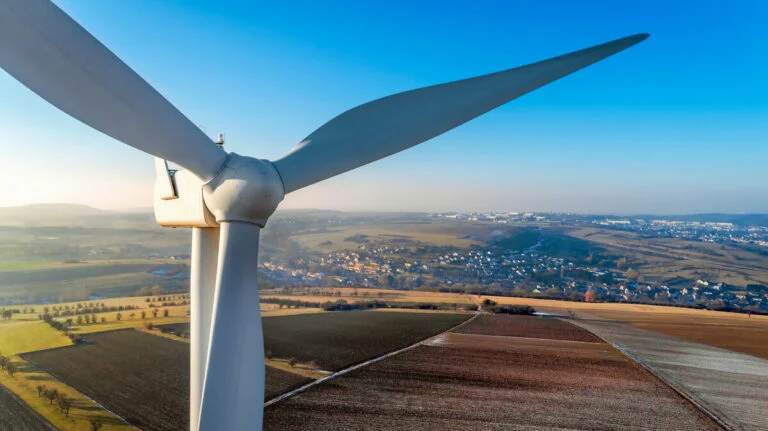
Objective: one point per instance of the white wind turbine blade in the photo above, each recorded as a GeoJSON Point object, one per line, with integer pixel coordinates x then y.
{"type": "Point", "coordinates": [386, 126]}
{"type": "Point", "coordinates": [47, 51]}
{"type": "Point", "coordinates": [233, 392]}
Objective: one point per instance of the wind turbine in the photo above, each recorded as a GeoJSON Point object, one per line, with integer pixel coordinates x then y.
{"type": "Point", "coordinates": [227, 198]}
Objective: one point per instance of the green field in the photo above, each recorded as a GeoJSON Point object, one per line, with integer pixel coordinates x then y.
{"type": "Point", "coordinates": [25, 336]}
{"type": "Point", "coordinates": [402, 234]}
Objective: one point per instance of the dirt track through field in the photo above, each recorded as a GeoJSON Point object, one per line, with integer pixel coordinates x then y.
{"type": "Point", "coordinates": [733, 386]}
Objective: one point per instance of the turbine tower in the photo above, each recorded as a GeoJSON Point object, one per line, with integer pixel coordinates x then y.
{"type": "Point", "coordinates": [226, 198]}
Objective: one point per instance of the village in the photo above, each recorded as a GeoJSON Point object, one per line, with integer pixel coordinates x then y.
{"type": "Point", "coordinates": [489, 270]}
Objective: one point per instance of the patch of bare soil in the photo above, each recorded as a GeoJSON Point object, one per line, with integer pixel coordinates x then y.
{"type": "Point", "coordinates": [468, 381]}
{"type": "Point", "coordinates": [527, 326]}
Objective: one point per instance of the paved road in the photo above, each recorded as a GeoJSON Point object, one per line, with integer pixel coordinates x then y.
{"type": "Point", "coordinates": [732, 385]}
{"type": "Point", "coordinates": [15, 415]}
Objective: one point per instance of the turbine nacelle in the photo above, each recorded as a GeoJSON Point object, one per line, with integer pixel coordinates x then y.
{"type": "Point", "coordinates": [245, 190]}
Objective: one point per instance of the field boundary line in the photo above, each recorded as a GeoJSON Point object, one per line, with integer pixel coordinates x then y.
{"type": "Point", "coordinates": [79, 392]}
{"type": "Point", "coordinates": [650, 370]}
{"type": "Point", "coordinates": [357, 366]}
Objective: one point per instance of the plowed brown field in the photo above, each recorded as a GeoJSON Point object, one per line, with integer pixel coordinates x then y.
{"type": "Point", "coordinates": [141, 377]}
{"type": "Point", "coordinates": [527, 326]}
{"type": "Point", "coordinates": [16, 415]}
{"type": "Point", "coordinates": [471, 381]}
{"type": "Point", "coordinates": [732, 331]}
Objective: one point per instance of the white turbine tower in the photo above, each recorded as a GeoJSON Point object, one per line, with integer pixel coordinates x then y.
{"type": "Point", "coordinates": [226, 198]}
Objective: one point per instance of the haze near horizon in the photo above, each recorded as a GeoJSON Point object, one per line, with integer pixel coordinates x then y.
{"type": "Point", "coordinates": [674, 125]}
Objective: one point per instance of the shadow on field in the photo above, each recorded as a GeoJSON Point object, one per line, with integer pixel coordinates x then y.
{"type": "Point", "coordinates": [40, 378]}
{"type": "Point", "coordinates": [86, 409]}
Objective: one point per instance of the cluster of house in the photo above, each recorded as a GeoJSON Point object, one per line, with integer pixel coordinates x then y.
{"type": "Point", "coordinates": [497, 217]}
{"type": "Point", "coordinates": [711, 232]}
{"type": "Point", "coordinates": [528, 271]}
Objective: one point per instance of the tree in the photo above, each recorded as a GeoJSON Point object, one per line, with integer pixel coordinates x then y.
{"type": "Point", "coordinates": [7, 314]}
{"type": "Point", "coordinates": [96, 424]}
{"type": "Point", "coordinates": [154, 313]}
{"type": "Point", "coordinates": [143, 315]}
{"type": "Point", "coordinates": [11, 368]}
{"type": "Point", "coordinates": [93, 318]}
{"type": "Point", "coordinates": [292, 362]}
{"type": "Point", "coordinates": [631, 274]}
{"type": "Point", "coordinates": [79, 320]}
{"type": "Point", "coordinates": [103, 320]}
{"type": "Point", "coordinates": [165, 312]}
{"type": "Point", "coordinates": [40, 389]}
{"type": "Point", "coordinates": [52, 395]}
{"type": "Point", "coordinates": [488, 303]}
{"type": "Point", "coordinates": [118, 316]}
{"type": "Point", "coordinates": [132, 315]}
{"type": "Point", "coordinates": [64, 403]}
{"type": "Point", "coordinates": [589, 296]}
{"type": "Point", "coordinates": [3, 362]}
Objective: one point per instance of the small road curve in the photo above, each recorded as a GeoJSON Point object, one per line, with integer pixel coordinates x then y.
{"type": "Point", "coordinates": [363, 364]}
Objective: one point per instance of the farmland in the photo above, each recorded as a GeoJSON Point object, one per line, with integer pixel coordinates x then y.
{"type": "Point", "coordinates": [279, 381]}
{"type": "Point", "coordinates": [467, 381]}
{"type": "Point", "coordinates": [666, 258]}
{"type": "Point", "coordinates": [349, 237]}
{"type": "Point", "coordinates": [732, 331]}
{"type": "Point", "coordinates": [142, 378]}
{"type": "Point", "coordinates": [334, 340]}
{"type": "Point", "coordinates": [56, 280]}
{"type": "Point", "coordinates": [526, 326]}
{"type": "Point", "coordinates": [15, 415]}
{"type": "Point", "coordinates": [353, 295]}
{"type": "Point", "coordinates": [731, 385]}
{"type": "Point", "coordinates": [20, 337]}
{"type": "Point", "coordinates": [151, 388]}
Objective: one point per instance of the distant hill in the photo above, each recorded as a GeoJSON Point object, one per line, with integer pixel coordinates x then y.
{"type": "Point", "coordinates": [57, 214]}
{"type": "Point", "coordinates": [38, 210]}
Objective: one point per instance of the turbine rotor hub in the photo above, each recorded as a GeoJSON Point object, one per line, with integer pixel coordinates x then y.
{"type": "Point", "coordinates": [246, 190]}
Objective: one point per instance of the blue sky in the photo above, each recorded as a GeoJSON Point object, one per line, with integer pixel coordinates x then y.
{"type": "Point", "coordinates": [676, 124]}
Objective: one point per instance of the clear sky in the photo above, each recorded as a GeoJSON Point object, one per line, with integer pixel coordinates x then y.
{"type": "Point", "coordinates": [676, 124]}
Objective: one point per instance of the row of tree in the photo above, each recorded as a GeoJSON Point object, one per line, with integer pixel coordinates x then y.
{"type": "Point", "coordinates": [62, 400]}
{"type": "Point", "coordinates": [492, 307]}
{"type": "Point", "coordinates": [64, 311]}
{"type": "Point", "coordinates": [7, 365]}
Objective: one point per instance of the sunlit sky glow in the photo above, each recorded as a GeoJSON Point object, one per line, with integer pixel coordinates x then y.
{"type": "Point", "coordinates": [676, 124]}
